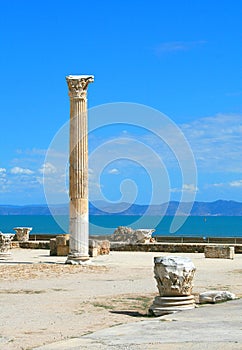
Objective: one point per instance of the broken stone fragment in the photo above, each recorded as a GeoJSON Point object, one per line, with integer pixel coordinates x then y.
{"type": "Point", "coordinates": [215, 296]}
{"type": "Point", "coordinates": [130, 236]}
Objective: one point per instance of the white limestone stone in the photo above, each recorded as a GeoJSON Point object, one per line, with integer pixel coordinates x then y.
{"type": "Point", "coordinates": [215, 296]}
{"type": "Point", "coordinates": [219, 252]}
{"type": "Point", "coordinates": [130, 236]}
{"type": "Point", "coordinates": [144, 235]}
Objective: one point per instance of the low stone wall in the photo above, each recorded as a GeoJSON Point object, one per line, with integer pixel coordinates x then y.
{"type": "Point", "coordinates": [166, 247]}
{"type": "Point", "coordinates": [219, 252]}
{"type": "Point", "coordinates": [158, 247]}
{"type": "Point", "coordinates": [121, 246]}
{"type": "Point", "coordinates": [183, 239]}
{"type": "Point", "coordinates": [31, 245]}
{"type": "Point", "coordinates": [60, 245]}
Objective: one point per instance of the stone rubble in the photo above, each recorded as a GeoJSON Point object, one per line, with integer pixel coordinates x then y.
{"type": "Point", "coordinates": [130, 236]}
{"type": "Point", "coordinates": [215, 296]}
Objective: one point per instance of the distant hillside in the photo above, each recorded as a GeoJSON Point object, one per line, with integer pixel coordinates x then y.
{"type": "Point", "coordinates": [33, 210]}
{"type": "Point", "coordinates": [217, 208]}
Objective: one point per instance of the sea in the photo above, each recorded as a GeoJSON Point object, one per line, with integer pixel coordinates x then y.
{"type": "Point", "coordinates": [191, 226]}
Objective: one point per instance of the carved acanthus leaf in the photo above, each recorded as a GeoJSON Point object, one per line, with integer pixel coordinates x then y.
{"type": "Point", "coordinates": [78, 85]}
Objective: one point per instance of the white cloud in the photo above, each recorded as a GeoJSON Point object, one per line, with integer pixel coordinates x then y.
{"type": "Point", "coordinates": [237, 183]}
{"type": "Point", "coordinates": [220, 184]}
{"type": "Point", "coordinates": [32, 152]}
{"type": "Point", "coordinates": [114, 171]}
{"type": "Point", "coordinates": [21, 171]}
{"type": "Point", "coordinates": [216, 142]}
{"type": "Point", "coordinates": [47, 168]}
{"type": "Point", "coordinates": [4, 185]}
{"type": "Point", "coordinates": [2, 172]}
{"type": "Point", "coordinates": [189, 188]}
{"type": "Point", "coordinates": [174, 46]}
{"type": "Point", "coordinates": [186, 188]}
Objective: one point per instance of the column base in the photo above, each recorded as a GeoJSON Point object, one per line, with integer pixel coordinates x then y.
{"type": "Point", "coordinates": [74, 259]}
{"type": "Point", "coordinates": [169, 305]}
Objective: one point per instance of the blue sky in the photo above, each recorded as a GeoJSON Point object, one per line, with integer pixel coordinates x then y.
{"type": "Point", "coordinates": [182, 58]}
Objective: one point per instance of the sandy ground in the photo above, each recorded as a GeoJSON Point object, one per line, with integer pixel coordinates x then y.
{"type": "Point", "coordinates": [42, 300]}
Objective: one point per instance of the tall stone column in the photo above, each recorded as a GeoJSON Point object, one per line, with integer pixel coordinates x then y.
{"type": "Point", "coordinates": [78, 168]}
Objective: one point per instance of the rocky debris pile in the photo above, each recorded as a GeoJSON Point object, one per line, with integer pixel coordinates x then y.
{"type": "Point", "coordinates": [130, 236]}
{"type": "Point", "coordinates": [98, 247]}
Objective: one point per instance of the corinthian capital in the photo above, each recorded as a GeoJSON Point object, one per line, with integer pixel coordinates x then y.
{"type": "Point", "coordinates": [78, 84]}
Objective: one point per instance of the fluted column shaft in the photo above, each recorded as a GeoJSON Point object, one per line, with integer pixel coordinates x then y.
{"type": "Point", "coordinates": [78, 168]}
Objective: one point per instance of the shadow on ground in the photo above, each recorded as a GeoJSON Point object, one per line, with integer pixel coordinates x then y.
{"type": "Point", "coordinates": [131, 313]}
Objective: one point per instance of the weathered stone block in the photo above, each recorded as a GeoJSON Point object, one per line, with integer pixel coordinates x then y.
{"type": "Point", "coordinates": [61, 240]}
{"type": "Point", "coordinates": [95, 247]}
{"type": "Point", "coordinates": [53, 247]}
{"type": "Point", "coordinates": [92, 243]}
{"type": "Point", "coordinates": [103, 247]}
{"type": "Point", "coordinates": [219, 252]}
{"type": "Point", "coordinates": [98, 247]}
{"type": "Point", "coordinates": [62, 250]}
{"type": "Point", "coordinates": [93, 252]}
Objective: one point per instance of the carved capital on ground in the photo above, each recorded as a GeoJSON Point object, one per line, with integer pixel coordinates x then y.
{"type": "Point", "coordinates": [174, 275]}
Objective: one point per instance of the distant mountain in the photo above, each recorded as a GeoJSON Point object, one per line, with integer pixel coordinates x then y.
{"type": "Point", "coordinates": [217, 208]}
{"type": "Point", "coordinates": [33, 210]}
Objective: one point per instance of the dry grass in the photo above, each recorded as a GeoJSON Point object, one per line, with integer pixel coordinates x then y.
{"type": "Point", "coordinates": [136, 305]}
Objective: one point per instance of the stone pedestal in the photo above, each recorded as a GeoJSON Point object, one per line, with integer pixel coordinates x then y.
{"type": "Point", "coordinates": [78, 170]}
{"type": "Point", "coordinates": [219, 252]}
{"type": "Point", "coordinates": [22, 233]}
{"type": "Point", "coordinates": [62, 245]}
{"type": "Point", "coordinates": [5, 245]}
{"type": "Point", "coordinates": [174, 276]}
